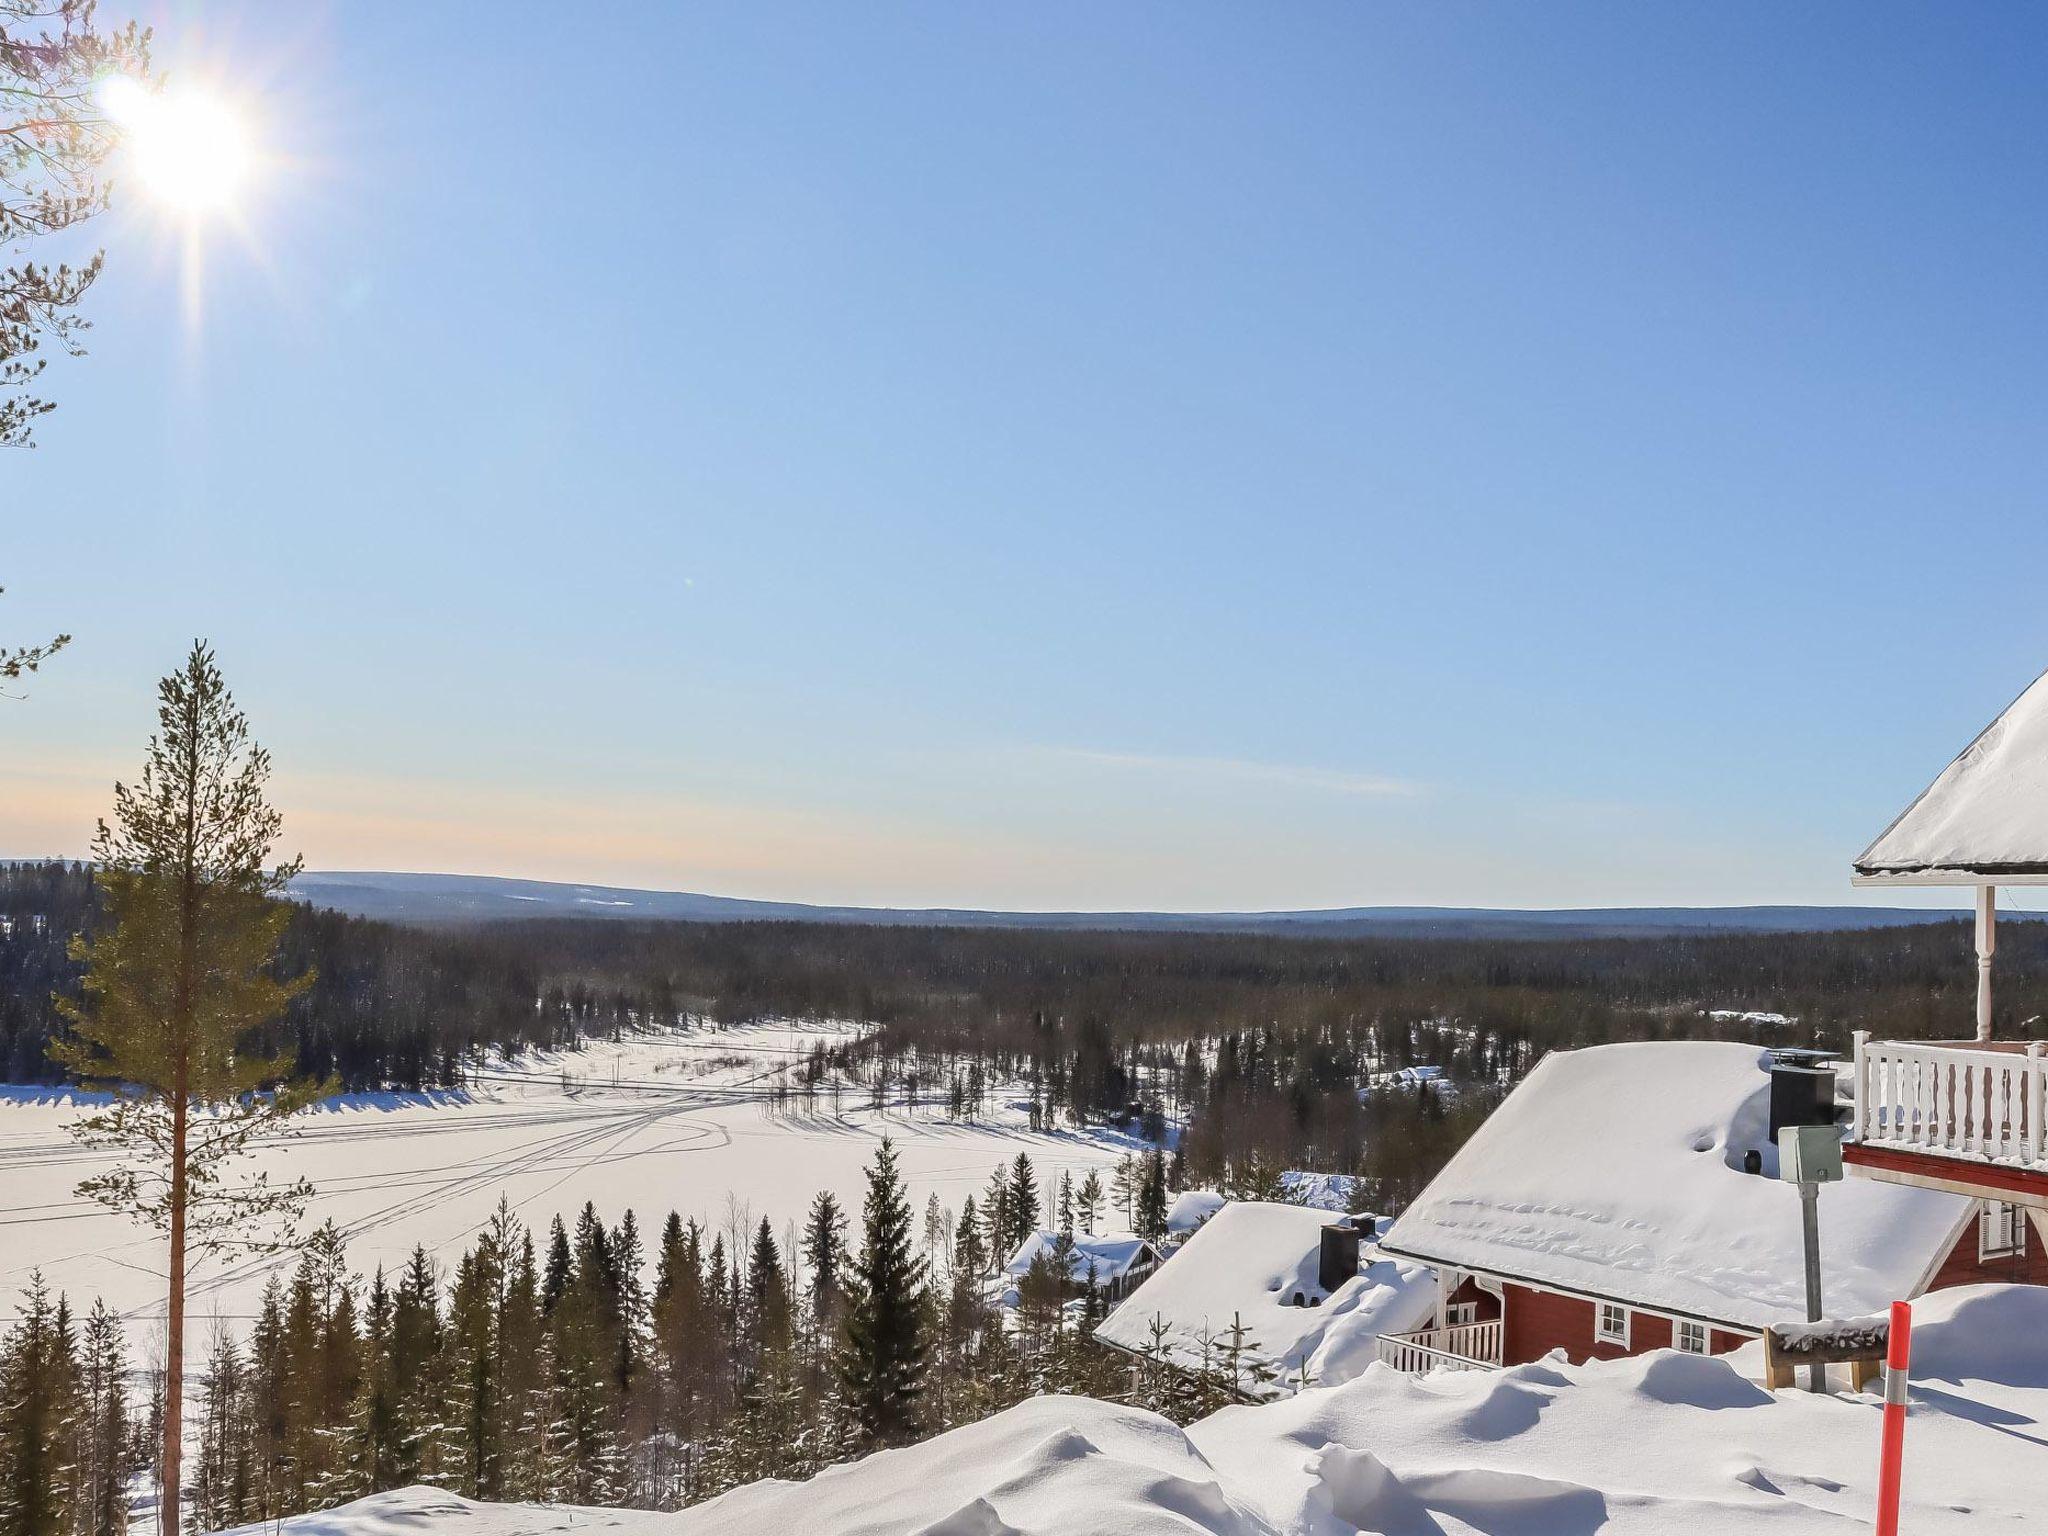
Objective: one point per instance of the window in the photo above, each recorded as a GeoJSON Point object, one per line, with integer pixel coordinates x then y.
{"type": "Point", "coordinates": [1610, 1324]}
{"type": "Point", "coordinates": [2001, 1230]}
{"type": "Point", "coordinates": [1691, 1337]}
{"type": "Point", "coordinates": [1463, 1312]}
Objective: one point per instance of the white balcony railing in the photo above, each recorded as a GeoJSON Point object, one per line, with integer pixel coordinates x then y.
{"type": "Point", "coordinates": [1460, 1347]}
{"type": "Point", "coordinates": [1976, 1103]}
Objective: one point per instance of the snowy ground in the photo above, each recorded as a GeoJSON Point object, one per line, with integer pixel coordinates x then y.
{"type": "Point", "coordinates": [1661, 1445]}
{"type": "Point", "coordinates": [658, 1122]}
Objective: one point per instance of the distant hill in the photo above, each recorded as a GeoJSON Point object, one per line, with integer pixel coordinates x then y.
{"type": "Point", "coordinates": [438, 899]}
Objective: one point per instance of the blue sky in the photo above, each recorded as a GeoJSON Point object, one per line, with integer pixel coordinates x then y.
{"type": "Point", "coordinates": [1157, 455]}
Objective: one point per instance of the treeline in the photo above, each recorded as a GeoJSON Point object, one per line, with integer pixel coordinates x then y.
{"type": "Point", "coordinates": [1262, 1050]}
{"type": "Point", "coordinates": [580, 1367]}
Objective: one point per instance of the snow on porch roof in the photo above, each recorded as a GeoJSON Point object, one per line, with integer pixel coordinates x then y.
{"type": "Point", "coordinates": [1617, 1172]}
{"type": "Point", "coordinates": [1985, 820]}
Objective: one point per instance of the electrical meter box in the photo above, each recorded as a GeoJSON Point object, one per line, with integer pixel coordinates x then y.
{"type": "Point", "coordinates": [1810, 1154]}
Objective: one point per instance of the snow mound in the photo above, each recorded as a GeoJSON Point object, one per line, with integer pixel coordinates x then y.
{"type": "Point", "coordinates": [411, 1511]}
{"type": "Point", "coordinates": [1994, 1333]}
{"type": "Point", "coordinates": [1053, 1466]}
{"type": "Point", "coordinates": [1657, 1445]}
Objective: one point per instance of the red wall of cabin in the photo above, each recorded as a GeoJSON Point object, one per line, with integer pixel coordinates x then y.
{"type": "Point", "coordinates": [1540, 1321]}
{"type": "Point", "coordinates": [1963, 1267]}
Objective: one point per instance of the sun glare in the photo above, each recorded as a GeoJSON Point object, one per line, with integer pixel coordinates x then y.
{"type": "Point", "coordinates": [189, 150]}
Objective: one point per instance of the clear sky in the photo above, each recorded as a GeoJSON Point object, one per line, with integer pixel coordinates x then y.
{"type": "Point", "coordinates": [1165, 455]}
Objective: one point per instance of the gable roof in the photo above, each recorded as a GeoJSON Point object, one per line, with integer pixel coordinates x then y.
{"type": "Point", "coordinates": [1112, 1255]}
{"type": "Point", "coordinates": [1192, 1207]}
{"type": "Point", "coordinates": [1616, 1172]}
{"type": "Point", "coordinates": [1249, 1260]}
{"type": "Point", "coordinates": [1985, 818]}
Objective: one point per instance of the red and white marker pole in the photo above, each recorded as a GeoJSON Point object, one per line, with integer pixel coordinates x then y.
{"type": "Point", "coordinates": [1892, 1448]}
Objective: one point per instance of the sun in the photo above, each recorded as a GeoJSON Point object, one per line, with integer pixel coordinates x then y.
{"type": "Point", "coordinates": [189, 150]}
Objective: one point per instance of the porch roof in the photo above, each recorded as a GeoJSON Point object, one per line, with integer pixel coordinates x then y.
{"type": "Point", "coordinates": [1984, 820]}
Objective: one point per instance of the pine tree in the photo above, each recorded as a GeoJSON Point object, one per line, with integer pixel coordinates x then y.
{"type": "Point", "coordinates": [175, 982]}
{"type": "Point", "coordinates": [57, 141]}
{"type": "Point", "coordinates": [882, 1355]}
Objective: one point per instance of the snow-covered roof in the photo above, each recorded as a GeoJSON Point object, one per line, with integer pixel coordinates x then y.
{"type": "Point", "coordinates": [1250, 1261]}
{"type": "Point", "coordinates": [1112, 1255]}
{"type": "Point", "coordinates": [1325, 1191]}
{"type": "Point", "coordinates": [1985, 817]}
{"type": "Point", "coordinates": [1192, 1207]}
{"type": "Point", "coordinates": [1617, 1172]}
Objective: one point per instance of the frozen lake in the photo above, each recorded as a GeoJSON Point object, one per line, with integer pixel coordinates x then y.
{"type": "Point", "coordinates": [665, 1122]}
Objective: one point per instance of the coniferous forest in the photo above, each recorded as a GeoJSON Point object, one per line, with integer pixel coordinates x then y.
{"type": "Point", "coordinates": [657, 1365]}
{"type": "Point", "coordinates": [1256, 1047]}
{"type": "Point", "coordinates": [584, 1364]}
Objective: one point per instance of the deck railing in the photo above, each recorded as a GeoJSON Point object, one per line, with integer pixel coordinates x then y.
{"type": "Point", "coordinates": [1460, 1347]}
{"type": "Point", "coordinates": [1980, 1104]}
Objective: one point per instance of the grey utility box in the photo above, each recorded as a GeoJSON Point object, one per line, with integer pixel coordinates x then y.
{"type": "Point", "coordinates": [1810, 1154]}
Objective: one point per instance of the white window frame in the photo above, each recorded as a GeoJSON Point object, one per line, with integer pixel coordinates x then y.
{"type": "Point", "coordinates": [1461, 1314]}
{"type": "Point", "coordinates": [2001, 1230]}
{"type": "Point", "coordinates": [1689, 1337]}
{"type": "Point", "coordinates": [1601, 1332]}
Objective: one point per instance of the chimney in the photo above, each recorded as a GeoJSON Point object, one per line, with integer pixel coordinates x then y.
{"type": "Point", "coordinates": [1802, 1090]}
{"type": "Point", "coordinates": [1338, 1261]}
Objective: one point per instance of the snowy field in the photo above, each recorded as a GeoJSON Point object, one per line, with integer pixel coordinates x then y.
{"type": "Point", "coordinates": [666, 1122]}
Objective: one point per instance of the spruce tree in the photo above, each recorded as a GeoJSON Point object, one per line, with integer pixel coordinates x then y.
{"type": "Point", "coordinates": [825, 1259]}
{"type": "Point", "coordinates": [1023, 1207]}
{"type": "Point", "coordinates": [38, 1401]}
{"type": "Point", "coordinates": [176, 980]}
{"type": "Point", "coordinates": [995, 1219]}
{"type": "Point", "coordinates": [375, 1434]}
{"type": "Point", "coordinates": [224, 1487]}
{"type": "Point", "coordinates": [882, 1354]}
{"type": "Point", "coordinates": [102, 1430]}
{"type": "Point", "coordinates": [1088, 1201]}
{"type": "Point", "coordinates": [1152, 1205]}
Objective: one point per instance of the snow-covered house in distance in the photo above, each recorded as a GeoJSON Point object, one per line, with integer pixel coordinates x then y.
{"type": "Point", "coordinates": [1115, 1263]}
{"type": "Point", "coordinates": [1624, 1198]}
{"type": "Point", "coordinates": [1334, 1192]}
{"type": "Point", "coordinates": [1190, 1210]}
{"type": "Point", "coordinates": [1310, 1293]}
{"type": "Point", "coordinates": [1968, 1115]}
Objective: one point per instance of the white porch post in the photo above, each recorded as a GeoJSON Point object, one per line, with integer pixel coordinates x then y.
{"type": "Point", "coordinates": [1446, 1282]}
{"type": "Point", "coordinates": [1987, 941]}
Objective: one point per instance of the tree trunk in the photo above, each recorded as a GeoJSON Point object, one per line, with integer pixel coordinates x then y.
{"type": "Point", "coordinates": [182, 1025]}
{"type": "Point", "coordinates": [174, 1348]}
